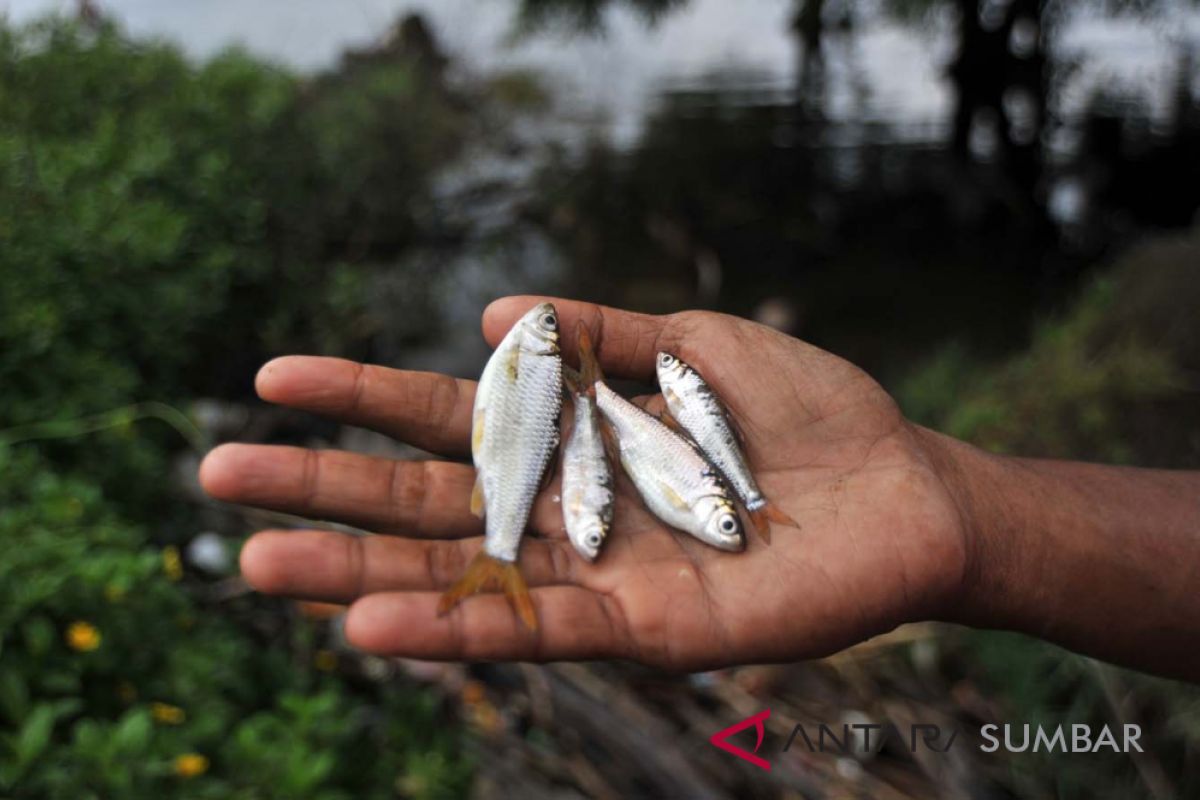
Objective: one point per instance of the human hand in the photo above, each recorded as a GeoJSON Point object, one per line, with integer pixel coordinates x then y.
{"type": "Point", "coordinates": [882, 539]}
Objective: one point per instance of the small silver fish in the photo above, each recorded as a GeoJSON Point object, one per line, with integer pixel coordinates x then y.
{"type": "Point", "coordinates": [677, 484]}
{"type": "Point", "coordinates": [587, 478]}
{"type": "Point", "coordinates": [692, 404]}
{"type": "Point", "coordinates": [513, 436]}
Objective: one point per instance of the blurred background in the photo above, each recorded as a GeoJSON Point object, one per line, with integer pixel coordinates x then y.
{"type": "Point", "coordinates": [991, 205]}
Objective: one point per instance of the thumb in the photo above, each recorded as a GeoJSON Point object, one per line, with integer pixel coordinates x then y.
{"type": "Point", "coordinates": [626, 342]}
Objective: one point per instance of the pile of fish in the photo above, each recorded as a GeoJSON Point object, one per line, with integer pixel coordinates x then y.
{"type": "Point", "coordinates": [687, 465]}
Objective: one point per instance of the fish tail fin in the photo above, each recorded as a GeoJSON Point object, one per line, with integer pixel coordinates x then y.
{"type": "Point", "coordinates": [761, 524]}
{"type": "Point", "coordinates": [764, 515]}
{"type": "Point", "coordinates": [574, 381]}
{"type": "Point", "coordinates": [484, 573]}
{"type": "Point", "coordinates": [589, 366]}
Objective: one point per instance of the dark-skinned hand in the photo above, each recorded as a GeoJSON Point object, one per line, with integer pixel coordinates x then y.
{"type": "Point", "coordinates": [881, 538]}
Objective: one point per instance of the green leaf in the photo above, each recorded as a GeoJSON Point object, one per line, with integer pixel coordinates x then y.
{"type": "Point", "coordinates": [34, 735]}
{"type": "Point", "coordinates": [39, 635]}
{"type": "Point", "coordinates": [133, 733]}
{"type": "Point", "coordinates": [14, 696]}
{"type": "Point", "coordinates": [60, 681]}
{"type": "Point", "coordinates": [310, 772]}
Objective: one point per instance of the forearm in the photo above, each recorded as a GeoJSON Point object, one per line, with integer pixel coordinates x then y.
{"type": "Point", "coordinates": [1103, 560]}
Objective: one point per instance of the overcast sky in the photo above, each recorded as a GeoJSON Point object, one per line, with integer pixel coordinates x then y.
{"type": "Point", "coordinates": [901, 69]}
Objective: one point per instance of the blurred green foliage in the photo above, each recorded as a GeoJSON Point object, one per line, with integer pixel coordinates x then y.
{"type": "Point", "coordinates": [164, 227]}
{"type": "Point", "coordinates": [112, 673]}
{"type": "Point", "coordinates": [133, 209]}
{"type": "Point", "coordinates": [1113, 377]}
{"type": "Point", "coordinates": [156, 217]}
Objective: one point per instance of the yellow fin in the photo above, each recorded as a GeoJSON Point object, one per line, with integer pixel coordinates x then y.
{"type": "Point", "coordinates": [477, 431]}
{"type": "Point", "coordinates": [477, 496]}
{"type": "Point", "coordinates": [511, 364]}
{"type": "Point", "coordinates": [673, 496]}
{"type": "Point", "coordinates": [484, 573]}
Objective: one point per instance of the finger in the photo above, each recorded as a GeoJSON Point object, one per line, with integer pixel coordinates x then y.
{"type": "Point", "coordinates": [573, 623]}
{"type": "Point", "coordinates": [342, 567]}
{"type": "Point", "coordinates": [626, 342]}
{"type": "Point", "coordinates": [425, 409]}
{"type": "Point", "coordinates": [424, 499]}
{"type": "Point", "coordinates": [415, 498]}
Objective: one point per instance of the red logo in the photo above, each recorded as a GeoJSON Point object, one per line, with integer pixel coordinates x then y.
{"type": "Point", "coordinates": [719, 738]}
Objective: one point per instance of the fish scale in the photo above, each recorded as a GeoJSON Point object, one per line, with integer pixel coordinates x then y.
{"type": "Point", "coordinates": [701, 413]}
{"type": "Point", "coordinates": [520, 435]}
{"type": "Point", "coordinates": [694, 407]}
{"type": "Point", "coordinates": [588, 497]}
{"type": "Point", "coordinates": [676, 482]}
{"type": "Point", "coordinates": [514, 431]}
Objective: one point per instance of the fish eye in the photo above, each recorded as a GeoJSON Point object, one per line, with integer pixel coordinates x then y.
{"type": "Point", "coordinates": [666, 359]}
{"type": "Point", "coordinates": [593, 540]}
{"type": "Point", "coordinates": [548, 321]}
{"type": "Point", "coordinates": [728, 524]}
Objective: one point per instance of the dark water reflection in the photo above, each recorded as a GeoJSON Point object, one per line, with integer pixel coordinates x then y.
{"type": "Point", "coordinates": [876, 239]}
{"type": "Point", "coordinates": [915, 171]}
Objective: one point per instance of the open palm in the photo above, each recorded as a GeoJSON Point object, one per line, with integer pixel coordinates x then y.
{"type": "Point", "coordinates": [880, 540]}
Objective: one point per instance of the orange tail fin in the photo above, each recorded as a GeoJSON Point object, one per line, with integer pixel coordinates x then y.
{"type": "Point", "coordinates": [484, 573]}
{"type": "Point", "coordinates": [764, 516]}
{"type": "Point", "coordinates": [589, 367]}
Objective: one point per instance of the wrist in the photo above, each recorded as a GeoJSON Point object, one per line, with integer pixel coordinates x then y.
{"type": "Point", "coordinates": [981, 489]}
{"type": "Point", "coordinates": [1098, 559]}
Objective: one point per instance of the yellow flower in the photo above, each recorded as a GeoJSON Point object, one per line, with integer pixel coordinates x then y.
{"type": "Point", "coordinates": [189, 765]}
{"type": "Point", "coordinates": [325, 660]}
{"type": "Point", "coordinates": [167, 713]}
{"type": "Point", "coordinates": [83, 637]}
{"type": "Point", "coordinates": [172, 565]}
